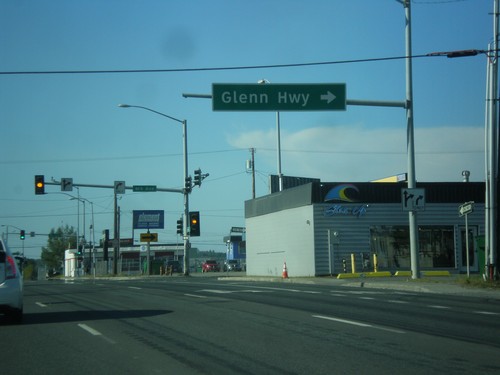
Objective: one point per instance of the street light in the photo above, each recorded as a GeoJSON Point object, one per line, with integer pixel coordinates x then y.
{"type": "Point", "coordinates": [185, 190]}
{"type": "Point", "coordinates": [92, 233]}
{"type": "Point", "coordinates": [278, 142]}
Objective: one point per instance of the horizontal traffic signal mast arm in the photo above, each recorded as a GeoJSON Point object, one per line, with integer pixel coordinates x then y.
{"type": "Point", "coordinates": [359, 102]}
{"type": "Point", "coordinates": [168, 190]}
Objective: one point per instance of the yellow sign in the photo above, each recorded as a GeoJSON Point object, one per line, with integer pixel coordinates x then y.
{"type": "Point", "coordinates": [149, 237]}
{"type": "Point", "coordinates": [402, 177]}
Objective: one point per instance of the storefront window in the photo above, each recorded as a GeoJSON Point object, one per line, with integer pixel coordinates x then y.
{"type": "Point", "coordinates": [392, 246]}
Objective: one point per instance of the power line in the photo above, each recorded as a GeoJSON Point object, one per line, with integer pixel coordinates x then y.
{"type": "Point", "coordinates": [205, 69]}
{"type": "Point", "coordinates": [111, 158]}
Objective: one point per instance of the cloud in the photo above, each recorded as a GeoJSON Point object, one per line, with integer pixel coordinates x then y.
{"type": "Point", "coordinates": [359, 153]}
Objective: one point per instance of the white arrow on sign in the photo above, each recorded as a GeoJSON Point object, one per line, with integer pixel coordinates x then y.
{"type": "Point", "coordinates": [466, 208]}
{"type": "Point", "coordinates": [329, 97]}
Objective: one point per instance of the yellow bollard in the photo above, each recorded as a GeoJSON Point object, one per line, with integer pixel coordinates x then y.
{"type": "Point", "coordinates": [375, 263]}
{"type": "Point", "coordinates": [353, 263]}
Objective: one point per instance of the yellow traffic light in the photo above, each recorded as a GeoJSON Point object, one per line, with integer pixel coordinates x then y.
{"type": "Point", "coordinates": [194, 223]}
{"type": "Point", "coordinates": [39, 184]}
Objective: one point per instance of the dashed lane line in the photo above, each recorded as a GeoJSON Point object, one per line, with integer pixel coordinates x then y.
{"type": "Point", "coordinates": [358, 324]}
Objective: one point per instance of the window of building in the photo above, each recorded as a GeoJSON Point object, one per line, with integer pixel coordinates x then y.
{"type": "Point", "coordinates": [392, 246]}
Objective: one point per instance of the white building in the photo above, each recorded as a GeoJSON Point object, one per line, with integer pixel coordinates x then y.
{"type": "Point", "coordinates": [316, 227]}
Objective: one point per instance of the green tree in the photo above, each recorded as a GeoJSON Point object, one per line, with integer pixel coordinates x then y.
{"type": "Point", "coordinates": [59, 240]}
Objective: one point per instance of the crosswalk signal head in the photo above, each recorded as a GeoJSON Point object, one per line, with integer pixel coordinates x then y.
{"type": "Point", "coordinates": [39, 184]}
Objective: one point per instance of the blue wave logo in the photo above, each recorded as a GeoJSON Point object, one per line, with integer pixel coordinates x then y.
{"type": "Point", "coordinates": [342, 193]}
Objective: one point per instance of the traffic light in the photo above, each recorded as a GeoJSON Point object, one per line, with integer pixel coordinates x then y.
{"type": "Point", "coordinates": [187, 184]}
{"type": "Point", "coordinates": [179, 226]}
{"type": "Point", "coordinates": [22, 234]}
{"type": "Point", "coordinates": [39, 184]}
{"type": "Point", "coordinates": [194, 223]}
{"type": "Point", "coordinates": [197, 177]}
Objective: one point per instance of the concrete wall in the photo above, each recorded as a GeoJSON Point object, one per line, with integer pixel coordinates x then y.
{"type": "Point", "coordinates": [286, 235]}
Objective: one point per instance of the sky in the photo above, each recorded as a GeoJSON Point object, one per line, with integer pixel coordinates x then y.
{"type": "Point", "coordinates": [69, 125]}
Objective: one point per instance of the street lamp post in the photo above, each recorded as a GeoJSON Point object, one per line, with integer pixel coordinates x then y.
{"type": "Point", "coordinates": [278, 143]}
{"type": "Point", "coordinates": [185, 190]}
{"type": "Point", "coordinates": [92, 231]}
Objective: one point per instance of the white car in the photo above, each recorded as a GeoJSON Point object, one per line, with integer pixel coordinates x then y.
{"type": "Point", "coordinates": [11, 286]}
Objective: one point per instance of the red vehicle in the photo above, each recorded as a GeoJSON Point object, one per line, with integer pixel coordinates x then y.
{"type": "Point", "coordinates": [210, 266]}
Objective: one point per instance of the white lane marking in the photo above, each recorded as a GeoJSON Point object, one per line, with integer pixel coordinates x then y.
{"type": "Point", "coordinates": [359, 324]}
{"type": "Point", "coordinates": [216, 291]}
{"type": "Point", "coordinates": [486, 312]}
{"type": "Point", "coordinates": [352, 322]}
{"type": "Point", "coordinates": [397, 301]}
{"type": "Point", "coordinates": [438, 307]}
{"type": "Point", "coordinates": [134, 287]}
{"type": "Point", "coordinates": [95, 332]}
{"type": "Point", "coordinates": [195, 295]}
{"type": "Point", "coordinates": [369, 298]}
{"type": "Point", "coordinates": [220, 291]}
{"type": "Point", "coordinates": [40, 304]}
{"type": "Point", "coordinates": [90, 330]}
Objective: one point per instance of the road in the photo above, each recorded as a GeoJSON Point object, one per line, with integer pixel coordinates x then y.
{"type": "Point", "coordinates": [203, 325]}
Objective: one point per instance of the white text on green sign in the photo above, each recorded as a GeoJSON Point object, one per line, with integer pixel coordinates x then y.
{"type": "Point", "coordinates": [279, 97]}
{"type": "Point", "coordinates": [143, 188]}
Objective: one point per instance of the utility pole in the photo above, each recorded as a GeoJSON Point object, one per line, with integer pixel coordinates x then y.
{"type": "Point", "coordinates": [252, 167]}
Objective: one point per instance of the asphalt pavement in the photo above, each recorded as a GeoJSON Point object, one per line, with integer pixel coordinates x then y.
{"type": "Point", "coordinates": [452, 285]}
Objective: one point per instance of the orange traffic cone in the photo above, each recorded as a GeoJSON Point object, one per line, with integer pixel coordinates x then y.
{"type": "Point", "coordinates": [285, 271]}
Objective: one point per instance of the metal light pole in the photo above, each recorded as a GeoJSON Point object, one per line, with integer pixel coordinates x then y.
{"type": "Point", "coordinates": [185, 190]}
{"type": "Point", "coordinates": [413, 225]}
{"type": "Point", "coordinates": [92, 232]}
{"type": "Point", "coordinates": [278, 143]}
{"type": "Point", "coordinates": [493, 147]}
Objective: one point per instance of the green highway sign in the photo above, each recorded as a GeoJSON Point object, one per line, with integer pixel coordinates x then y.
{"type": "Point", "coordinates": [143, 188]}
{"type": "Point", "coordinates": [278, 97]}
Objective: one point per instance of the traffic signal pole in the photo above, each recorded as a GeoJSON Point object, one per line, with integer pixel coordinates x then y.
{"type": "Point", "coordinates": [186, 191]}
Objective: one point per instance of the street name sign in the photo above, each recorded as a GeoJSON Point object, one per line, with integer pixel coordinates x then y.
{"type": "Point", "coordinates": [466, 208]}
{"type": "Point", "coordinates": [278, 97]}
{"type": "Point", "coordinates": [238, 230]}
{"type": "Point", "coordinates": [143, 188]}
{"type": "Point", "coordinates": [149, 237]}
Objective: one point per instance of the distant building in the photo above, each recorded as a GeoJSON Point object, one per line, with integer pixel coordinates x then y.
{"type": "Point", "coordinates": [130, 261]}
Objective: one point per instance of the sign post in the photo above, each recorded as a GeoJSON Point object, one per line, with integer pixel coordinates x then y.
{"type": "Point", "coordinates": [278, 97]}
{"type": "Point", "coordinates": [464, 210]}
{"type": "Point", "coordinates": [148, 237]}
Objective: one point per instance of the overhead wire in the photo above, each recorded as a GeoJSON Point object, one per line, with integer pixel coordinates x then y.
{"type": "Point", "coordinates": [205, 69]}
